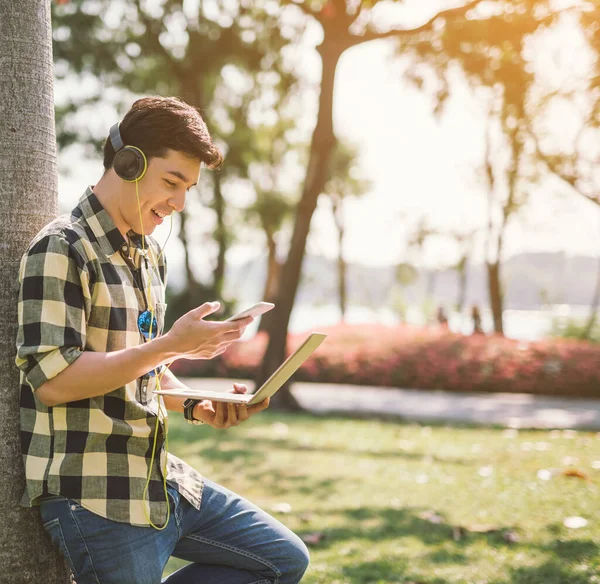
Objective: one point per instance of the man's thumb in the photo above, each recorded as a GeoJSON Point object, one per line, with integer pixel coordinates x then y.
{"type": "Point", "coordinates": [206, 309]}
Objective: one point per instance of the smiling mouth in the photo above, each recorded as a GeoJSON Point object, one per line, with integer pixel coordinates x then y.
{"type": "Point", "coordinates": [159, 214]}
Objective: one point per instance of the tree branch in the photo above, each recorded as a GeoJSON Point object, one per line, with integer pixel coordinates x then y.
{"type": "Point", "coordinates": [304, 7]}
{"type": "Point", "coordinates": [395, 33]}
{"type": "Point", "coordinates": [154, 38]}
{"type": "Point", "coordinates": [554, 168]}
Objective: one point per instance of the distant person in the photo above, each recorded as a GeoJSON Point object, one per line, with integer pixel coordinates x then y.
{"type": "Point", "coordinates": [476, 316]}
{"type": "Point", "coordinates": [442, 317]}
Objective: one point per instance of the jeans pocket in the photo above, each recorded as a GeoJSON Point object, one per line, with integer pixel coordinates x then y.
{"type": "Point", "coordinates": [57, 537]}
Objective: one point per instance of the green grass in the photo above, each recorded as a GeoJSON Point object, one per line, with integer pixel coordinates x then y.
{"type": "Point", "coordinates": [370, 487]}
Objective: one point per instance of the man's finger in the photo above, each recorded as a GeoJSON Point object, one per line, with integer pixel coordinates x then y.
{"type": "Point", "coordinates": [219, 412]}
{"type": "Point", "coordinates": [232, 417]}
{"type": "Point", "coordinates": [242, 323]}
{"type": "Point", "coordinates": [243, 412]}
{"type": "Point", "coordinates": [259, 407]}
{"type": "Point", "coordinates": [206, 309]}
{"type": "Point", "coordinates": [230, 337]}
{"type": "Point", "coordinates": [206, 413]}
{"type": "Point", "coordinates": [239, 388]}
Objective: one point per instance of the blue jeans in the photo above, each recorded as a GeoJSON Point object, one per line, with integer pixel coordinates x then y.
{"type": "Point", "coordinates": [229, 541]}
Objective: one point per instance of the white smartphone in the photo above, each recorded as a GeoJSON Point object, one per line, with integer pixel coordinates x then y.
{"type": "Point", "coordinates": [253, 311]}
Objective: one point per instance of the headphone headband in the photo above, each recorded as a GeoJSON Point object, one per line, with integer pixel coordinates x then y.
{"type": "Point", "coordinates": [115, 137]}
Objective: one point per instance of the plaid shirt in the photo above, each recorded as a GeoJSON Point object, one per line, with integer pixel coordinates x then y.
{"type": "Point", "coordinates": [82, 288]}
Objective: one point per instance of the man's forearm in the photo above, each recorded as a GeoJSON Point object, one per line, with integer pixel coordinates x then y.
{"type": "Point", "coordinates": [93, 374]}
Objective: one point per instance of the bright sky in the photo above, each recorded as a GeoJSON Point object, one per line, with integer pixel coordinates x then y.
{"type": "Point", "coordinates": [416, 165]}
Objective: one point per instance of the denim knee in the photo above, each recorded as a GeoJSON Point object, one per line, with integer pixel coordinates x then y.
{"type": "Point", "coordinates": [297, 559]}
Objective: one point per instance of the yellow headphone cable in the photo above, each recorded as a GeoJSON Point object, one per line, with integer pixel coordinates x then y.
{"type": "Point", "coordinates": [158, 377]}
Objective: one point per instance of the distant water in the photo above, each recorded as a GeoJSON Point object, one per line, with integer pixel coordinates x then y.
{"type": "Point", "coordinates": [527, 325]}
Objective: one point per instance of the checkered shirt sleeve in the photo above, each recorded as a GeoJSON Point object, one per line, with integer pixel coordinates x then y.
{"type": "Point", "coordinates": [54, 300]}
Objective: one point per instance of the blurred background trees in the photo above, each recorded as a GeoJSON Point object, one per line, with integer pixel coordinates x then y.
{"type": "Point", "coordinates": [243, 65]}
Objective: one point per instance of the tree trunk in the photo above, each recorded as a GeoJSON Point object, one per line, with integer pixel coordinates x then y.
{"type": "Point", "coordinates": [190, 279]}
{"type": "Point", "coordinates": [342, 268]}
{"type": "Point", "coordinates": [495, 292]}
{"type": "Point", "coordinates": [195, 292]}
{"type": "Point", "coordinates": [321, 150]}
{"type": "Point", "coordinates": [587, 333]}
{"type": "Point", "coordinates": [28, 190]}
{"type": "Point", "coordinates": [342, 291]}
{"type": "Point", "coordinates": [220, 236]}
{"type": "Point", "coordinates": [272, 281]}
{"type": "Point", "coordinates": [462, 285]}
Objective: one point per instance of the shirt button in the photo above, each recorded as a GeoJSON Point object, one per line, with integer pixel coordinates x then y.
{"type": "Point", "coordinates": [73, 507]}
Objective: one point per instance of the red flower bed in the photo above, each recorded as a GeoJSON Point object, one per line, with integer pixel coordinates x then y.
{"type": "Point", "coordinates": [410, 357]}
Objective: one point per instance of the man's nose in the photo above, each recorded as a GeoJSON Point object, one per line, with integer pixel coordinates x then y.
{"type": "Point", "coordinates": [177, 203]}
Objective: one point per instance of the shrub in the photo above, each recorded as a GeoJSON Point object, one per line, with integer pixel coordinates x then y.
{"type": "Point", "coordinates": [426, 358]}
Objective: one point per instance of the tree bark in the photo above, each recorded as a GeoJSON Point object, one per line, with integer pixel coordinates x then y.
{"type": "Point", "coordinates": [272, 280]}
{"type": "Point", "coordinates": [342, 291]}
{"type": "Point", "coordinates": [190, 279]}
{"type": "Point", "coordinates": [220, 236]}
{"type": "Point", "coordinates": [342, 268]}
{"type": "Point", "coordinates": [495, 292]}
{"type": "Point", "coordinates": [587, 332]}
{"type": "Point", "coordinates": [28, 191]}
{"type": "Point", "coordinates": [321, 149]}
{"type": "Point", "coordinates": [462, 286]}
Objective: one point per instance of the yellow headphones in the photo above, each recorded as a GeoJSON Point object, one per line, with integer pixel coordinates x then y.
{"type": "Point", "coordinates": [129, 162]}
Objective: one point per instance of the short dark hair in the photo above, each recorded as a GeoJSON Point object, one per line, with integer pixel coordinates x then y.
{"type": "Point", "coordinates": [157, 124]}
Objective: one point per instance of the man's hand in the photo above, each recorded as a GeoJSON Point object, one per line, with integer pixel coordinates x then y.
{"type": "Point", "coordinates": [222, 415]}
{"type": "Point", "coordinates": [192, 337]}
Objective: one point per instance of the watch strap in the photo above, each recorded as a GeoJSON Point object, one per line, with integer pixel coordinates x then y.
{"type": "Point", "coordinates": [188, 411]}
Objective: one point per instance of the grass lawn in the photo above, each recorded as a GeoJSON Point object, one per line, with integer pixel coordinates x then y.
{"type": "Point", "coordinates": [401, 502]}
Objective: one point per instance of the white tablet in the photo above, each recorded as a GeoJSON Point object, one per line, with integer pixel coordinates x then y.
{"type": "Point", "coordinates": [269, 388]}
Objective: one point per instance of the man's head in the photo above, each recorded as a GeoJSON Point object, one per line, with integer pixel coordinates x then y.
{"type": "Point", "coordinates": [175, 141]}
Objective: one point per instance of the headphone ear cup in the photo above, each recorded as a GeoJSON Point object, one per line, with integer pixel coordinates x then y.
{"type": "Point", "coordinates": [130, 163]}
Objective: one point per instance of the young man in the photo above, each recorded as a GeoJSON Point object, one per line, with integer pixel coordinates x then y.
{"type": "Point", "coordinates": [90, 351]}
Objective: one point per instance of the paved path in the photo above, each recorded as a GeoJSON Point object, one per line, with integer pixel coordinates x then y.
{"type": "Point", "coordinates": [504, 409]}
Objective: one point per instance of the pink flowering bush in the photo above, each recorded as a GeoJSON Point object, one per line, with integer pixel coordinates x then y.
{"type": "Point", "coordinates": [423, 358]}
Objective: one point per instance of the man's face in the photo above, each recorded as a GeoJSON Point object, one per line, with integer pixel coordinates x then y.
{"type": "Point", "coordinates": [162, 190]}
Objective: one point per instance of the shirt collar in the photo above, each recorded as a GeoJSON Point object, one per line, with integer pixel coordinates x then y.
{"type": "Point", "coordinates": [109, 237]}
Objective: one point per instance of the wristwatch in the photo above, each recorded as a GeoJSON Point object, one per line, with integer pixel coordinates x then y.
{"type": "Point", "coordinates": [188, 411]}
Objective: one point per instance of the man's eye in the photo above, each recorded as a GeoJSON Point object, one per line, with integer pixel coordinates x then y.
{"type": "Point", "coordinates": [170, 183]}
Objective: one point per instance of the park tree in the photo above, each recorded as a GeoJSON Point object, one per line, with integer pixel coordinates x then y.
{"type": "Point", "coordinates": [504, 197]}
{"type": "Point", "coordinates": [422, 232]}
{"type": "Point", "coordinates": [344, 182]}
{"type": "Point", "coordinates": [489, 46]}
{"type": "Point", "coordinates": [572, 155]}
{"type": "Point", "coordinates": [497, 47]}
{"type": "Point", "coordinates": [271, 210]}
{"type": "Point", "coordinates": [263, 150]}
{"type": "Point", "coordinates": [345, 24]}
{"type": "Point", "coordinates": [405, 275]}
{"type": "Point", "coordinates": [169, 47]}
{"type": "Point", "coordinates": [268, 151]}
{"type": "Point", "coordinates": [464, 241]}
{"type": "Point", "coordinates": [28, 190]}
